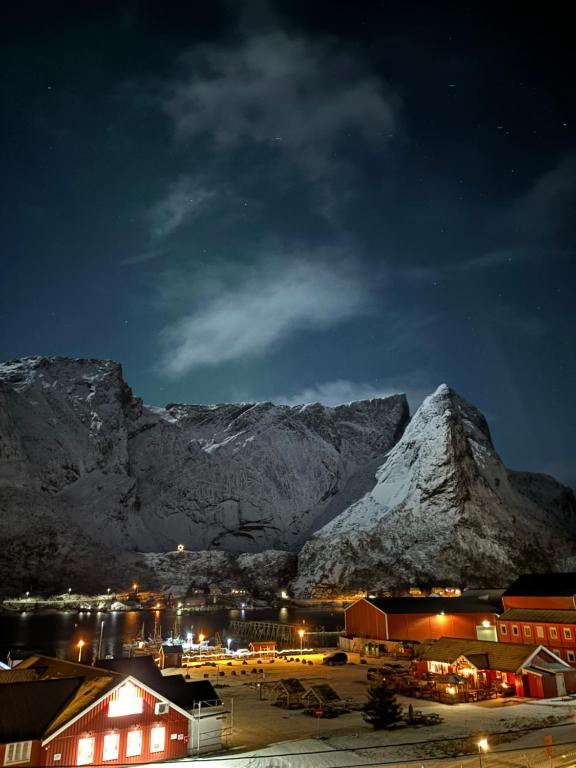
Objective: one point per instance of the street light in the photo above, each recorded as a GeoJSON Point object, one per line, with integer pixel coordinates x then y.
{"type": "Point", "coordinates": [135, 587]}
{"type": "Point", "coordinates": [301, 633]}
{"type": "Point", "coordinates": [482, 747]}
{"type": "Point", "coordinates": [81, 645]}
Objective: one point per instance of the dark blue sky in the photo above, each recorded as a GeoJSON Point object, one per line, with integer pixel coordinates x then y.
{"type": "Point", "coordinates": [298, 201]}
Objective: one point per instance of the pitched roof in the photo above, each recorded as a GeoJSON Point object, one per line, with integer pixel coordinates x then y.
{"type": "Point", "coordinates": [172, 687]}
{"type": "Point", "coordinates": [27, 709]}
{"type": "Point", "coordinates": [92, 684]}
{"type": "Point", "coordinates": [543, 585]}
{"type": "Point", "coordinates": [433, 605]}
{"type": "Point", "coordinates": [539, 615]}
{"type": "Point", "coordinates": [505, 657]}
{"type": "Point", "coordinates": [172, 648]}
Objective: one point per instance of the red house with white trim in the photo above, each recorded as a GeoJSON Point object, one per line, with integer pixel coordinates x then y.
{"type": "Point", "coordinates": [73, 715]}
{"type": "Point", "coordinates": [541, 608]}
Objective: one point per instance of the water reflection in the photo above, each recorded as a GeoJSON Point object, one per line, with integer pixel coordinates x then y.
{"type": "Point", "coordinates": [58, 634]}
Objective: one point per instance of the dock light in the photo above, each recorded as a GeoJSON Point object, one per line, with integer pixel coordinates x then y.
{"type": "Point", "coordinates": [451, 690]}
{"type": "Point", "coordinates": [27, 594]}
{"type": "Point", "coordinates": [284, 595]}
{"type": "Point", "coordinates": [180, 547]}
{"type": "Point", "coordinates": [69, 590]}
{"type": "Point", "coordinates": [81, 645]}
{"type": "Point", "coordinates": [200, 639]}
{"type": "Point", "coordinates": [108, 590]}
{"type": "Point", "coordinates": [301, 633]}
{"type": "Point", "coordinates": [486, 623]}
{"type": "Point", "coordinates": [228, 641]}
{"type": "Point", "coordinates": [135, 587]}
{"type": "Point", "coordinates": [482, 747]}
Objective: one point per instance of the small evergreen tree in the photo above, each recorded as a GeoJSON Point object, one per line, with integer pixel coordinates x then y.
{"type": "Point", "coordinates": [382, 708]}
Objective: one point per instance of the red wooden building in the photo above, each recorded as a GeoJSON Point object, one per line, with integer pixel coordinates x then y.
{"type": "Point", "coordinates": [541, 608]}
{"type": "Point", "coordinates": [531, 670]}
{"type": "Point", "coordinates": [414, 619]}
{"type": "Point", "coordinates": [56, 713]}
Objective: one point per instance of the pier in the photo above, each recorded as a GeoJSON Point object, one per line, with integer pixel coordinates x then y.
{"type": "Point", "coordinates": [283, 634]}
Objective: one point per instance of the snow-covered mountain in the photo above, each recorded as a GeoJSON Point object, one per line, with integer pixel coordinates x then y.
{"type": "Point", "coordinates": [444, 508]}
{"type": "Point", "coordinates": [88, 473]}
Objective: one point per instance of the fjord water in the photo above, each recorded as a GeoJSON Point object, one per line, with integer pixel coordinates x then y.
{"type": "Point", "coordinates": [57, 633]}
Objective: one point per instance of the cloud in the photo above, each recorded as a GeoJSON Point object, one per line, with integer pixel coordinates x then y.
{"type": "Point", "coordinates": [547, 205]}
{"type": "Point", "coordinates": [260, 306]}
{"type": "Point", "coordinates": [345, 391]}
{"type": "Point", "coordinates": [286, 92]}
{"type": "Point", "coordinates": [185, 199]}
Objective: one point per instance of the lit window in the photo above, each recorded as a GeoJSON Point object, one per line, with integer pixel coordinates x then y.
{"type": "Point", "coordinates": [503, 629]}
{"type": "Point", "coordinates": [515, 630]}
{"type": "Point", "coordinates": [134, 743]}
{"type": "Point", "coordinates": [527, 631]}
{"type": "Point", "coordinates": [567, 634]}
{"type": "Point", "coordinates": [111, 746]}
{"type": "Point", "coordinates": [553, 632]}
{"type": "Point", "coordinates": [157, 739]}
{"type": "Point", "coordinates": [539, 631]}
{"type": "Point", "coordinates": [17, 753]}
{"type": "Point", "coordinates": [127, 702]}
{"type": "Point", "coordinates": [85, 751]}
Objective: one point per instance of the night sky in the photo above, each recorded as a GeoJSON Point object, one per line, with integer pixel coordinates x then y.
{"type": "Point", "coordinates": [298, 201]}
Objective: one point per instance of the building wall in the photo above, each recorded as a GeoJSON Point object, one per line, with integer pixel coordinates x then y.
{"type": "Point", "coordinates": [365, 620]}
{"type": "Point", "coordinates": [559, 638]}
{"type": "Point", "coordinates": [420, 627]}
{"type": "Point", "coordinates": [35, 755]}
{"type": "Point", "coordinates": [97, 723]}
{"type": "Point", "coordinates": [551, 603]}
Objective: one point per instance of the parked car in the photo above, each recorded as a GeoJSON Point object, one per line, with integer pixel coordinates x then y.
{"type": "Point", "coordinates": [335, 659]}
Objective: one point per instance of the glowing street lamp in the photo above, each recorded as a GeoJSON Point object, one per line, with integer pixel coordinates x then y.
{"type": "Point", "coordinates": [482, 747]}
{"type": "Point", "coordinates": [200, 638]}
{"type": "Point", "coordinates": [81, 645]}
{"type": "Point", "coordinates": [135, 587]}
{"type": "Point", "coordinates": [301, 633]}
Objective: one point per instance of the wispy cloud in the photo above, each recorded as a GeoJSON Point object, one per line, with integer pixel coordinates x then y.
{"type": "Point", "coordinates": [289, 93]}
{"type": "Point", "coordinates": [345, 391]}
{"type": "Point", "coordinates": [184, 200]}
{"type": "Point", "coordinates": [262, 305]}
{"type": "Point", "coordinates": [547, 205]}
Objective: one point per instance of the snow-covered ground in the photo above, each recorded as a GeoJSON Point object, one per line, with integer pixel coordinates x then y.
{"type": "Point", "coordinates": [267, 735]}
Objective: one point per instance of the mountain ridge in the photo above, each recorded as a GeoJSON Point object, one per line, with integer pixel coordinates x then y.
{"type": "Point", "coordinates": [364, 493]}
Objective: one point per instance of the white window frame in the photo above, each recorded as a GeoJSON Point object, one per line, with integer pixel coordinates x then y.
{"type": "Point", "coordinates": [503, 629]}
{"type": "Point", "coordinates": [515, 630]}
{"type": "Point", "coordinates": [571, 656]}
{"type": "Point", "coordinates": [540, 632]}
{"type": "Point", "coordinates": [131, 746]}
{"type": "Point", "coordinates": [107, 752]}
{"type": "Point", "coordinates": [17, 752]}
{"type": "Point", "coordinates": [527, 630]}
{"type": "Point", "coordinates": [553, 633]}
{"type": "Point", "coordinates": [567, 632]}
{"type": "Point", "coordinates": [154, 733]}
{"type": "Point", "coordinates": [83, 761]}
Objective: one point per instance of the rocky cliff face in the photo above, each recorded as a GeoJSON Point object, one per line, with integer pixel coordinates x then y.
{"type": "Point", "coordinates": [444, 509]}
{"type": "Point", "coordinates": [87, 471]}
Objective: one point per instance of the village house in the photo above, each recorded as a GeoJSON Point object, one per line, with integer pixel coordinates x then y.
{"type": "Point", "coordinates": [58, 713]}
{"type": "Point", "coordinates": [541, 608]}
{"type": "Point", "coordinates": [478, 667]}
{"type": "Point", "coordinates": [379, 625]}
